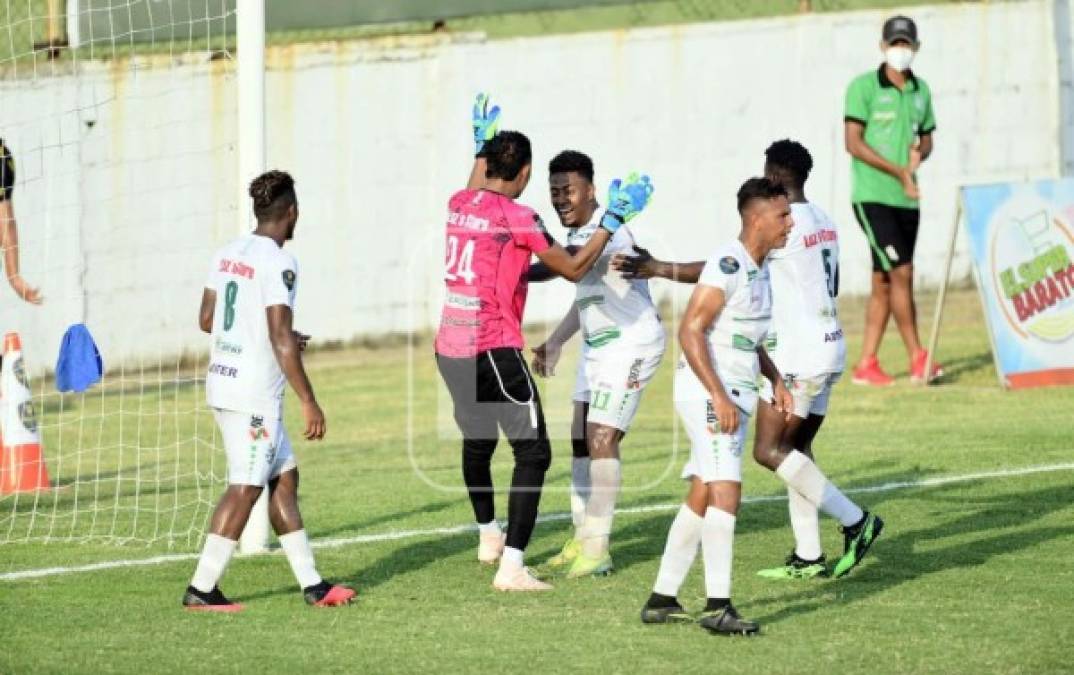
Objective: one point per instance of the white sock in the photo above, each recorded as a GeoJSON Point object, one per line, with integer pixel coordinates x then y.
{"type": "Point", "coordinates": [679, 552]}
{"type": "Point", "coordinates": [717, 539]}
{"type": "Point", "coordinates": [800, 473]}
{"type": "Point", "coordinates": [600, 510]}
{"type": "Point", "coordinates": [297, 547]}
{"type": "Point", "coordinates": [215, 556]}
{"type": "Point", "coordinates": [492, 527]}
{"type": "Point", "coordinates": [580, 489]}
{"type": "Point", "coordinates": [805, 523]}
{"type": "Point", "coordinates": [511, 556]}
{"type": "Point", "coordinates": [838, 506]}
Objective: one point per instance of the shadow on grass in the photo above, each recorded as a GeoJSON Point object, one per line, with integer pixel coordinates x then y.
{"type": "Point", "coordinates": [956, 369]}
{"type": "Point", "coordinates": [894, 561]}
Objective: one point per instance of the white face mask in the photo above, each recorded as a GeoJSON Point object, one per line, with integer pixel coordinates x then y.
{"type": "Point", "coordinates": [899, 58]}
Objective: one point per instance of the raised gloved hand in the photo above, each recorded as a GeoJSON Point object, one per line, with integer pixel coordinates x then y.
{"type": "Point", "coordinates": [626, 199]}
{"type": "Point", "coordinates": [486, 122]}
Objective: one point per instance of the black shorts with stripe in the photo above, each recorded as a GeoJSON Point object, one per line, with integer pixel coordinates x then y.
{"type": "Point", "coordinates": [7, 172]}
{"type": "Point", "coordinates": [891, 232]}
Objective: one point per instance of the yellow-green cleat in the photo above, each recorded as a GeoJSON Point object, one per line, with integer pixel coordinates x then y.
{"type": "Point", "coordinates": [571, 550]}
{"type": "Point", "coordinates": [590, 567]}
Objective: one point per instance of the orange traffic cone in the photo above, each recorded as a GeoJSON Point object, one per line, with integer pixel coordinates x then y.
{"type": "Point", "coordinates": [22, 466]}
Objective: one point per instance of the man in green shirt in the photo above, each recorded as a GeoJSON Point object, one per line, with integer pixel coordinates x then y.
{"type": "Point", "coordinates": [888, 125]}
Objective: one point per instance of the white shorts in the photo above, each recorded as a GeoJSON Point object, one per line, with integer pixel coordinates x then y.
{"type": "Point", "coordinates": [811, 394]}
{"type": "Point", "coordinates": [257, 447]}
{"type": "Point", "coordinates": [713, 455]}
{"type": "Point", "coordinates": [612, 383]}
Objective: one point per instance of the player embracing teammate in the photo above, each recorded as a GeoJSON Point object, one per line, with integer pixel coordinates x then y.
{"type": "Point", "coordinates": [790, 280]}
{"type": "Point", "coordinates": [489, 240]}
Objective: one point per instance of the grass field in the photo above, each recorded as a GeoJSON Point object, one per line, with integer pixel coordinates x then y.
{"type": "Point", "coordinates": [970, 576]}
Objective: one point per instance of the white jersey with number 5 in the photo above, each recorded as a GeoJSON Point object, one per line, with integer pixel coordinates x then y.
{"type": "Point", "coordinates": [248, 275]}
{"type": "Point", "coordinates": [806, 339]}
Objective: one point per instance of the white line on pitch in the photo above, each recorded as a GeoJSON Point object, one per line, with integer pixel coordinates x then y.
{"type": "Point", "coordinates": [551, 517]}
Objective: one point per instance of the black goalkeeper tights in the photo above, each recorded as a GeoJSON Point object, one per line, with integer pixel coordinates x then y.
{"type": "Point", "coordinates": [491, 392]}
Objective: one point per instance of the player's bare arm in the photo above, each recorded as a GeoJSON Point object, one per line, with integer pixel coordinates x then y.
{"type": "Point", "coordinates": [546, 355]}
{"type": "Point", "coordinates": [573, 267]}
{"type": "Point", "coordinates": [9, 242]}
{"type": "Point", "coordinates": [854, 139]}
{"type": "Point", "coordinates": [205, 313]}
{"type": "Point", "coordinates": [920, 151]}
{"type": "Point", "coordinates": [285, 345]}
{"type": "Point", "coordinates": [782, 399]}
{"type": "Point", "coordinates": [645, 266]}
{"type": "Point", "coordinates": [539, 272]}
{"type": "Point", "coordinates": [704, 308]}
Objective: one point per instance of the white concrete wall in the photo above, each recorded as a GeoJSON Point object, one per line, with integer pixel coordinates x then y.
{"type": "Point", "coordinates": [118, 220]}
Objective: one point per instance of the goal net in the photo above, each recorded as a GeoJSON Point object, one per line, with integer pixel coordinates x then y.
{"type": "Point", "coordinates": [121, 118]}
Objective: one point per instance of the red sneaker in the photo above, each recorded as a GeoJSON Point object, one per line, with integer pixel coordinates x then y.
{"type": "Point", "coordinates": [325, 594]}
{"type": "Point", "coordinates": [917, 368]}
{"type": "Point", "coordinates": [869, 373]}
{"type": "Point", "coordinates": [213, 601]}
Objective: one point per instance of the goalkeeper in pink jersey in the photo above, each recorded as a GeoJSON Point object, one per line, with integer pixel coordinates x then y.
{"type": "Point", "coordinates": [489, 241]}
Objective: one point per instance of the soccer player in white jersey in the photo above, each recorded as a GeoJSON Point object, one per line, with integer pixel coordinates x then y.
{"type": "Point", "coordinates": [721, 336]}
{"type": "Point", "coordinates": [806, 344]}
{"type": "Point", "coordinates": [247, 307]}
{"type": "Point", "coordinates": [623, 345]}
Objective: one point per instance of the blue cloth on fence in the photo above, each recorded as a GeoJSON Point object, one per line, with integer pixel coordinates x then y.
{"type": "Point", "coordinates": [79, 364]}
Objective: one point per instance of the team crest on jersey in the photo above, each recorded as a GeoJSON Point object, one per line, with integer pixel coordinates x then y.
{"type": "Point", "coordinates": [289, 279]}
{"type": "Point", "coordinates": [728, 264]}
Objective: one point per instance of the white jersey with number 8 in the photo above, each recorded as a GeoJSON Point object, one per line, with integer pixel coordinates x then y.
{"type": "Point", "coordinates": [248, 275]}
{"type": "Point", "coordinates": [805, 338]}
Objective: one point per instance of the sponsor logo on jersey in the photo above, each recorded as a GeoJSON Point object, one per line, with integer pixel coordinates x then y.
{"type": "Point", "coordinates": [1033, 273]}
{"type": "Point", "coordinates": [465, 323]}
{"type": "Point", "coordinates": [820, 237]}
{"type": "Point", "coordinates": [459, 301]}
{"type": "Point", "coordinates": [228, 347]}
{"type": "Point", "coordinates": [728, 264]}
{"type": "Point", "coordinates": [225, 371]}
{"type": "Point", "coordinates": [468, 221]}
{"type": "Point", "coordinates": [236, 267]}
{"type": "Point", "coordinates": [289, 279]}
{"type": "Point", "coordinates": [834, 336]}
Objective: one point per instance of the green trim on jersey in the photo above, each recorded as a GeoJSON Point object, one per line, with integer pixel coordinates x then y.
{"type": "Point", "coordinates": [893, 120]}
{"type": "Point", "coordinates": [591, 300]}
{"type": "Point", "coordinates": [602, 337]}
{"type": "Point", "coordinates": [742, 343]}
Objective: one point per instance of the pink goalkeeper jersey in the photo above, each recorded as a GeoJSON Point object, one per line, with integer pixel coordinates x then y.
{"type": "Point", "coordinates": [490, 239]}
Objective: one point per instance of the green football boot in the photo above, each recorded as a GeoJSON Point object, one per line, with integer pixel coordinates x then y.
{"type": "Point", "coordinates": [584, 566]}
{"type": "Point", "coordinates": [797, 568]}
{"type": "Point", "coordinates": [567, 554]}
{"type": "Point", "coordinates": [857, 540]}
